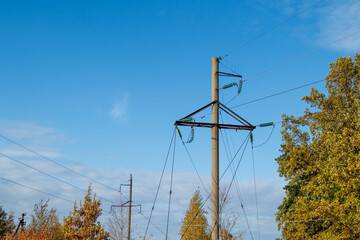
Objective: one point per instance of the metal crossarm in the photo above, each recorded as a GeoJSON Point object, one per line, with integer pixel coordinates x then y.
{"type": "Point", "coordinates": [245, 125]}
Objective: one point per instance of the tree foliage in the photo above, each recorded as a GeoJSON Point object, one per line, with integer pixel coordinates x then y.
{"type": "Point", "coordinates": [44, 220]}
{"type": "Point", "coordinates": [7, 224]}
{"type": "Point", "coordinates": [82, 223]}
{"type": "Point", "coordinates": [44, 225]}
{"type": "Point", "coordinates": [194, 224]}
{"type": "Point", "coordinates": [321, 160]}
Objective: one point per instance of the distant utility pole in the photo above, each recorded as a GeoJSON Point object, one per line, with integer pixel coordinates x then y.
{"type": "Point", "coordinates": [129, 205]}
{"type": "Point", "coordinates": [189, 120]}
{"type": "Point", "coordinates": [21, 222]}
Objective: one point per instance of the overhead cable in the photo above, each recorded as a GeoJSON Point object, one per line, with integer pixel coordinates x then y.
{"type": "Point", "coordinates": [158, 188]}
{"type": "Point", "coordinates": [255, 189]}
{"type": "Point", "coordinates": [293, 59]}
{"type": "Point", "coordinates": [170, 192]}
{"type": "Point", "coordinates": [47, 174]}
{"type": "Point", "coordinates": [193, 164]}
{"type": "Point", "coordinates": [276, 94]}
{"type": "Point", "coordinates": [56, 163]}
{"type": "Point", "coordinates": [37, 190]}
{"type": "Point", "coordinates": [271, 29]}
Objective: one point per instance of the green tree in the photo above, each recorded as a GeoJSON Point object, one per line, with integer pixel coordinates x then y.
{"type": "Point", "coordinates": [82, 223]}
{"type": "Point", "coordinates": [7, 224]}
{"type": "Point", "coordinates": [321, 160]}
{"type": "Point", "coordinates": [194, 224]}
{"type": "Point", "coordinates": [43, 219]}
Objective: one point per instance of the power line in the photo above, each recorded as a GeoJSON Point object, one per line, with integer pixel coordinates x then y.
{"type": "Point", "coordinates": [158, 188]}
{"type": "Point", "coordinates": [192, 162]}
{"type": "Point", "coordinates": [255, 189]}
{"type": "Point", "coordinates": [47, 174]}
{"type": "Point", "coordinates": [276, 94]}
{"type": "Point", "coordinates": [56, 163]}
{"type": "Point", "coordinates": [292, 59]}
{"type": "Point", "coordinates": [237, 187]}
{"type": "Point", "coordinates": [171, 187]}
{"type": "Point", "coordinates": [37, 190]}
{"type": "Point", "coordinates": [302, 55]}
{"type": "Point", "coordinates": [208, 196]}
{"type": "Point", "coordinates": [271, 29]}
{"type": "Point", "coordinates": [272, 130]}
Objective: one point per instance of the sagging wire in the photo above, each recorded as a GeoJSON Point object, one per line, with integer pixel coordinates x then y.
{"type": "Point", "coordinates": [256, 198]}
{"type": "Point", "coordinates": [191, 159]}
{"type": "Point", "coordinates": [271, 29]}
{"type": "Point", "coordinates": [232, 180]}
{"type": "Point", "coordinates": [170, 192]}
{"type": "Point", "coordinates": [237, 187]}
{"type": "Point", "coordinates": [272, 130]}
{"type": "Point", "coordinates": [208, 196]}
{"type": "Point", "coordinates": [162, 174]}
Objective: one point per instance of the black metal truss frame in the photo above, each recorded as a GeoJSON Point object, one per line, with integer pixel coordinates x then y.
{"type": "Point", "coordinates": [244, 125]}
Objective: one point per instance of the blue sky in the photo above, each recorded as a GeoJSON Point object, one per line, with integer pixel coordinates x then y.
{"type": "Point", "coordinates": [97, 86]}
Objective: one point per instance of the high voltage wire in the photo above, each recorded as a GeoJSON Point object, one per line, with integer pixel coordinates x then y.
{"type": "Point", "coordinates": [292, 59]}
{"type": "Point", "coordinates": [37, 190]}
{"type": "Point", "coordinates": [47, 174]}
{"type": "Point", "coordinates": [276, 94]}
{"type": "Point", "coordinates": [272, 130]}
{"type": "Point", "coordinates": [232, 172]}
{"type": "Point", "coordinates": [272, 95]}
{"type": "Point", "coordinates": [171, 187]}
{"type": "Point", "coordinates": [208, 195]}
{"type": "Point", "coordinates": [192, 162]}
{"type": "Point", "coordinates": [56, 163]}
{"type": "Point", "coordinates": [63, 166]}
{"type": "Point", "coordinates": [302, 55]}
{"type": "Point", "coordinates": [256, 197]}
{"type": "Point", "coordinates": [158, 188]}
{"type": "Point", "coordinates": [271, 29]}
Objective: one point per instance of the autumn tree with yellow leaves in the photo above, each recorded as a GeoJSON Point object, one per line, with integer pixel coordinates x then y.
{"type": "Point", "coordinates": [320, 160]}
{"type": "Point", "coordinates": [82, 223]}
{"type": "Point", "coordinates": [194, 224]}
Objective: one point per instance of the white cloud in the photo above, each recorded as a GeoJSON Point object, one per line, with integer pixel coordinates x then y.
{"type": "Point", "coordinates": [120, 109]}
{"type": "Point", "coordinates": [338, 19]}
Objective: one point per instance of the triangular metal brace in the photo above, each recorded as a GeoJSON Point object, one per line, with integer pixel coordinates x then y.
{"type": "Point", "coordinates": [244, 125]}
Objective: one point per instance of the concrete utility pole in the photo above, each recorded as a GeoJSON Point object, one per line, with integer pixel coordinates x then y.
{"type": "Point", "coordinates": [215, 150]}
{"type": "Point", "coordinates": [242, 124]}
{"type": "Point", "coordinates": [128, 204]}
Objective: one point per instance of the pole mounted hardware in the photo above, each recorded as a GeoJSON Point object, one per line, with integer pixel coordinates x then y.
{"type": "Point", "coordinates": [242, 124]}
{"type": "Point", "coordinates": [224, 74]}
{"type": "Point", "coordinates": [128, 204]}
